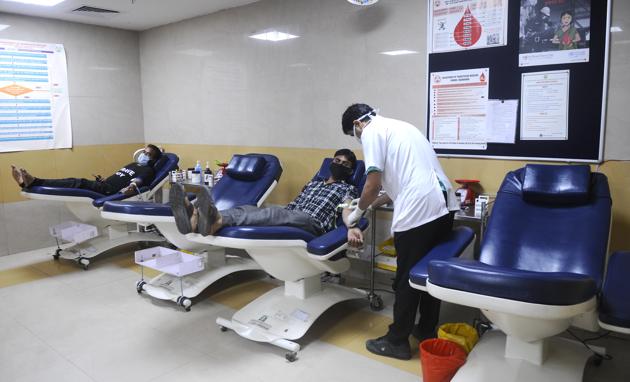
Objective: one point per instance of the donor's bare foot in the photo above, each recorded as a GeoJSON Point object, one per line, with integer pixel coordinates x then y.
{"type": "Point", "coordinates": [17, 176]}
{"type": "Point", "coordinates": [27, 179]}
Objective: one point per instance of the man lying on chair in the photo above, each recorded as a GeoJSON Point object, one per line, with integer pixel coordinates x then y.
{"type": "Point", "coordinates": [314, 210]}
{"type": "Point", "coordinates": [127, 180]}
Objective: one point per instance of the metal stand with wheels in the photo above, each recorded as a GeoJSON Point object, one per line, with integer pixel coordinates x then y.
{"type": "Point", "coordinates": [376, 302]}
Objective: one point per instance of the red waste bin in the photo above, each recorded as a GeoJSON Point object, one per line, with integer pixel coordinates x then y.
{"type": "Point", "coordinates": [440, 359]}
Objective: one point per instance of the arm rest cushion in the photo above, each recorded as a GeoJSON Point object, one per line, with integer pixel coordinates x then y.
{"type": "Point", "coordinates": [549, 288]}
{"type": "Point", "coordinates": [452, 245]}
{"type": "Point", "coordinates": [332, 240]}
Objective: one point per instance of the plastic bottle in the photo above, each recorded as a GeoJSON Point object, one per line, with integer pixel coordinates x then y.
{"type": "Point", "coordinates": [208, 179]}
{"type": "Point", "coordinates": [197, 174]}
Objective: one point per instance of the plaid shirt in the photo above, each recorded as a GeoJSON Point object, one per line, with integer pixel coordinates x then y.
{"type": "Point", "coordinates": [320, 200]}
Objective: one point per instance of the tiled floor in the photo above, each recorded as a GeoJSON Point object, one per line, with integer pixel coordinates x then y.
{"type": "Point", "coordinates": [60, 323]}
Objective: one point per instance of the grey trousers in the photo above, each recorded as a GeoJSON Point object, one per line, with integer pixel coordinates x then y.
{"type": "Point", "coordinates": [270, 216]}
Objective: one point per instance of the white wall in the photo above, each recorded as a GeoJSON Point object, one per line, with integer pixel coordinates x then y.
{"type": "Point", "coordinates": [205, 81]}
{"type": "Point", "coordinates": [103, 76]}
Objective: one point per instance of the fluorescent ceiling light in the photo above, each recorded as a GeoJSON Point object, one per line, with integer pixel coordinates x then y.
{"type": "Point", "coordinates": [616, 29]}
{"type": "Point", "coordinates": [273, 36]}
{"type": "Point", "coordinates": [4, 26]}
{"type": "Point", "coordinates": [46, 3]}
{"type": "Point", "coordinates": [399, 52]}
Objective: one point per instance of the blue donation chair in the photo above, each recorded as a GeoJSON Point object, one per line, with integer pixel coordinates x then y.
{"type": "Point", "coordinates": [86, 205]}
{"type": "Point", "coordinates": [540, 270]}
{"type": "Point", "coordinates": [249, 179]}
{"type": "Point", "coordinates": [298, 258]}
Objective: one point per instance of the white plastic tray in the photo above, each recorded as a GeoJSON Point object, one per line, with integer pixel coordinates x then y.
{"type": "Point", "coordinates": [169, 261]}
{"type": "Point", "coordinates": [73, 232]}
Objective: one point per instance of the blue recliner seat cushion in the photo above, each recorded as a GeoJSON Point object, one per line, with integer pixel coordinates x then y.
{"type": "Point", "coordinates": [540, 237]}
{"type": "Point", "coordinates": [549, 288]}
{"type": "Point", "coordinates": [249, 178]}
{"type": "Point", "coordinates": [64, 192]}
{"type": "Point", "coordinates": [265, 233]}
{"type": "Point", "coordinates": [452, 245]}
{"type": "Point", "coordinates": [134, 207]}
{"type": "Point", "coordinates": [615, 302]}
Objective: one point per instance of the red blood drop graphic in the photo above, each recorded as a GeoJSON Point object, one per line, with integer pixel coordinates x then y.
{"type": "Point", "coordinates": [468, 30]}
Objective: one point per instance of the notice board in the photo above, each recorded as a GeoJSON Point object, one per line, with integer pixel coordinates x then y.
{"type": "Point", "coordinates": [533, 26]}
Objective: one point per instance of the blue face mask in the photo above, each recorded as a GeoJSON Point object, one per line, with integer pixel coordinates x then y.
{"type": "Point", "coordinates": [143, 159]}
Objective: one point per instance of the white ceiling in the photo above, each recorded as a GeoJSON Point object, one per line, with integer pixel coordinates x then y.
{"type": "Point", "coordinates": [134, 14]}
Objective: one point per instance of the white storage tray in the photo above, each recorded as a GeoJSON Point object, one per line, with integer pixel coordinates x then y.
{"type": "Point", "coordinates": [73, 232]}
{"type": "Point", "coordinates": [169, 261]}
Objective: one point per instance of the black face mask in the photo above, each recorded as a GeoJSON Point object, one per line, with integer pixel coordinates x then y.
{"type": "Point", "coordinates": [340, 172]}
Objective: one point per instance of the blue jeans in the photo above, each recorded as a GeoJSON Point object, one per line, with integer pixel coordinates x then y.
{"type": "Point", "coordinates": [270, 216]}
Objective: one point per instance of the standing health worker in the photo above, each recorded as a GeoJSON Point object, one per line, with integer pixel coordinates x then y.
{"type": "Point", "coordinates": [401, 162]}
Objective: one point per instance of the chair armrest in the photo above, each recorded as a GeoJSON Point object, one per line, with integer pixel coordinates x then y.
{"type": "Point", "coordinates": [452, 245]}
{"type": "Point", "coordinates": [115, 197]}
{"type": "Point", "coordinates": [328, 244]}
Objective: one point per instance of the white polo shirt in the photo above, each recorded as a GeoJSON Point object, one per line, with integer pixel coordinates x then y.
{"type": "Point", "coordinates": [410, 171]}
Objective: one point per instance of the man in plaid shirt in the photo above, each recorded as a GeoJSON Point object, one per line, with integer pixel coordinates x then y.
{"type": "Point", "coordinates": [314, 210]}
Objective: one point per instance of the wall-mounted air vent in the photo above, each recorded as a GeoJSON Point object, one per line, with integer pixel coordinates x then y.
{"type": "Point", "coordinates": [95, 12]}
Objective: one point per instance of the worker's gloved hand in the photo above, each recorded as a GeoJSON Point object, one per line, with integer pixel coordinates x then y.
{"type": "Point", "coordinates": [355, 216]}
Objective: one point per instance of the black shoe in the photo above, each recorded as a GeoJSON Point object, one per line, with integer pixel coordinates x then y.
{"type": "Point", "coordinates": [422, 335]}
{"type": "Point", "coordinates": [382, 346]}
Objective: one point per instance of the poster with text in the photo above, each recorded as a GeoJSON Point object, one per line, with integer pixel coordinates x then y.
{"type": "Point", "coordinates": [554, 32]}
{"type": "Point", "coordinates": [467, 24]}
{"type": "Point", "coordinates": [458, 109]}
{"type": "Point", "coordinates": [34, 102]}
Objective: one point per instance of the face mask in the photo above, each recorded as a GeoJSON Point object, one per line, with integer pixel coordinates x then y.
{"type": "Point", "coordinates": [143, 159]}
{"type": "Point", "coordinates": [360, 119]}
{"type": "Point", "coordinates": [339, 171]}
{"type": "Point", "coordinates": [354, 133]}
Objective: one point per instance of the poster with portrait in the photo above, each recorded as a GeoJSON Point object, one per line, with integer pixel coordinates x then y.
{"type": "Point", "coordinates": [554, 32]}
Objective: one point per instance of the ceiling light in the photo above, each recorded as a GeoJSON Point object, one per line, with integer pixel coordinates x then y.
{"type": "Point", "coordinates": [399, 52]}
{"type": "Point", "coordinates": [4, 26]}
{"type": "Point", "coordinates": [362, 2]}
{"type": "Point", "coordinates": [46, 3]}
{"type": "Point", "coordinates": [616, 29]}
{"type": "Point", "coordinates": [273, 36]}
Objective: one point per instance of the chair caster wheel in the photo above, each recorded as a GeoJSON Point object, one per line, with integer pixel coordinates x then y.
{"type": "Point", "coordinates": [139, 286]}
{"type": "Point", "coordinates": [223, 329]}
{"type": "Point", "coordinates": [57, 254]}
{"type": "Point", "coordinates": [184, 303]}
{"type": "Point", "coordinates": [291, 356]}
{"type": "Point", "coordinates": [85, 263]}
{"type": "Point", "coordinates": [376, 303]}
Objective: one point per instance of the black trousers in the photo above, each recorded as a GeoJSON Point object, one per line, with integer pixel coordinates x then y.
{"type": "Point", "coordinates": [86, 184]}
{"type": "Point", "coordinates": [411, 246]}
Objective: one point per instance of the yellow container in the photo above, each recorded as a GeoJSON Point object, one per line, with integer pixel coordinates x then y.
{"type": "Point", "coordinates": [462, 334]}
{"type": "Point", "coordinates": [387, 247]}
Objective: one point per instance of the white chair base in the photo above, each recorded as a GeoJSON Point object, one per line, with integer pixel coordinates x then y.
{"type": "Point", "coordinates": [285, 314]}
{"type": "Point", "coordinates": [115, 236]}
{"type": "Point", "coordinates": [181, 289]}
{"type": "Point", "coordinates": [488, 363]}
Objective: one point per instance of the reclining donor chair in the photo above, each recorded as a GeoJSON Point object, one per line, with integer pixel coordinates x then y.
{"type": "Point", "coordinates": [540, 270]}
{"type": "Point", "coordinates": [249, 180]}
{"type": "Point", "coordinates": [298, 258]}
{"type": "Point", "coordinates": [86, 206]}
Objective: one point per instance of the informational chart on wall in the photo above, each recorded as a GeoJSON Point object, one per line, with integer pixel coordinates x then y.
{"type": "Point", "coordinates": [34, 102]}
{"type": "Point", "coordinates": [535, 90]}
{"type": "Point", "coordinates": [468, 24]}
{"type": "Point", "coordinates": [458, 109]}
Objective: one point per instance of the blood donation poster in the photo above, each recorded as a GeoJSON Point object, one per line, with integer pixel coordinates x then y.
{"type": "Point", "coordinates": [459, 101]}
{"type": "Point", "coordinates": [554, 32]}
{"type": "Point", "coordinates": [34, 102]}
{"type": "Point", "coordinates": [467, 24]}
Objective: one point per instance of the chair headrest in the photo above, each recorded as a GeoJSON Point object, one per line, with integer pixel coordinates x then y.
{"type": "Point", "coordinates": [357, 178]}
{"type": "Point", "coordinates": [556, 184]}
{"type": "Point", "coordinates": [246, 167]}
{"type": "Point", "coordinates": [163, 166]}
